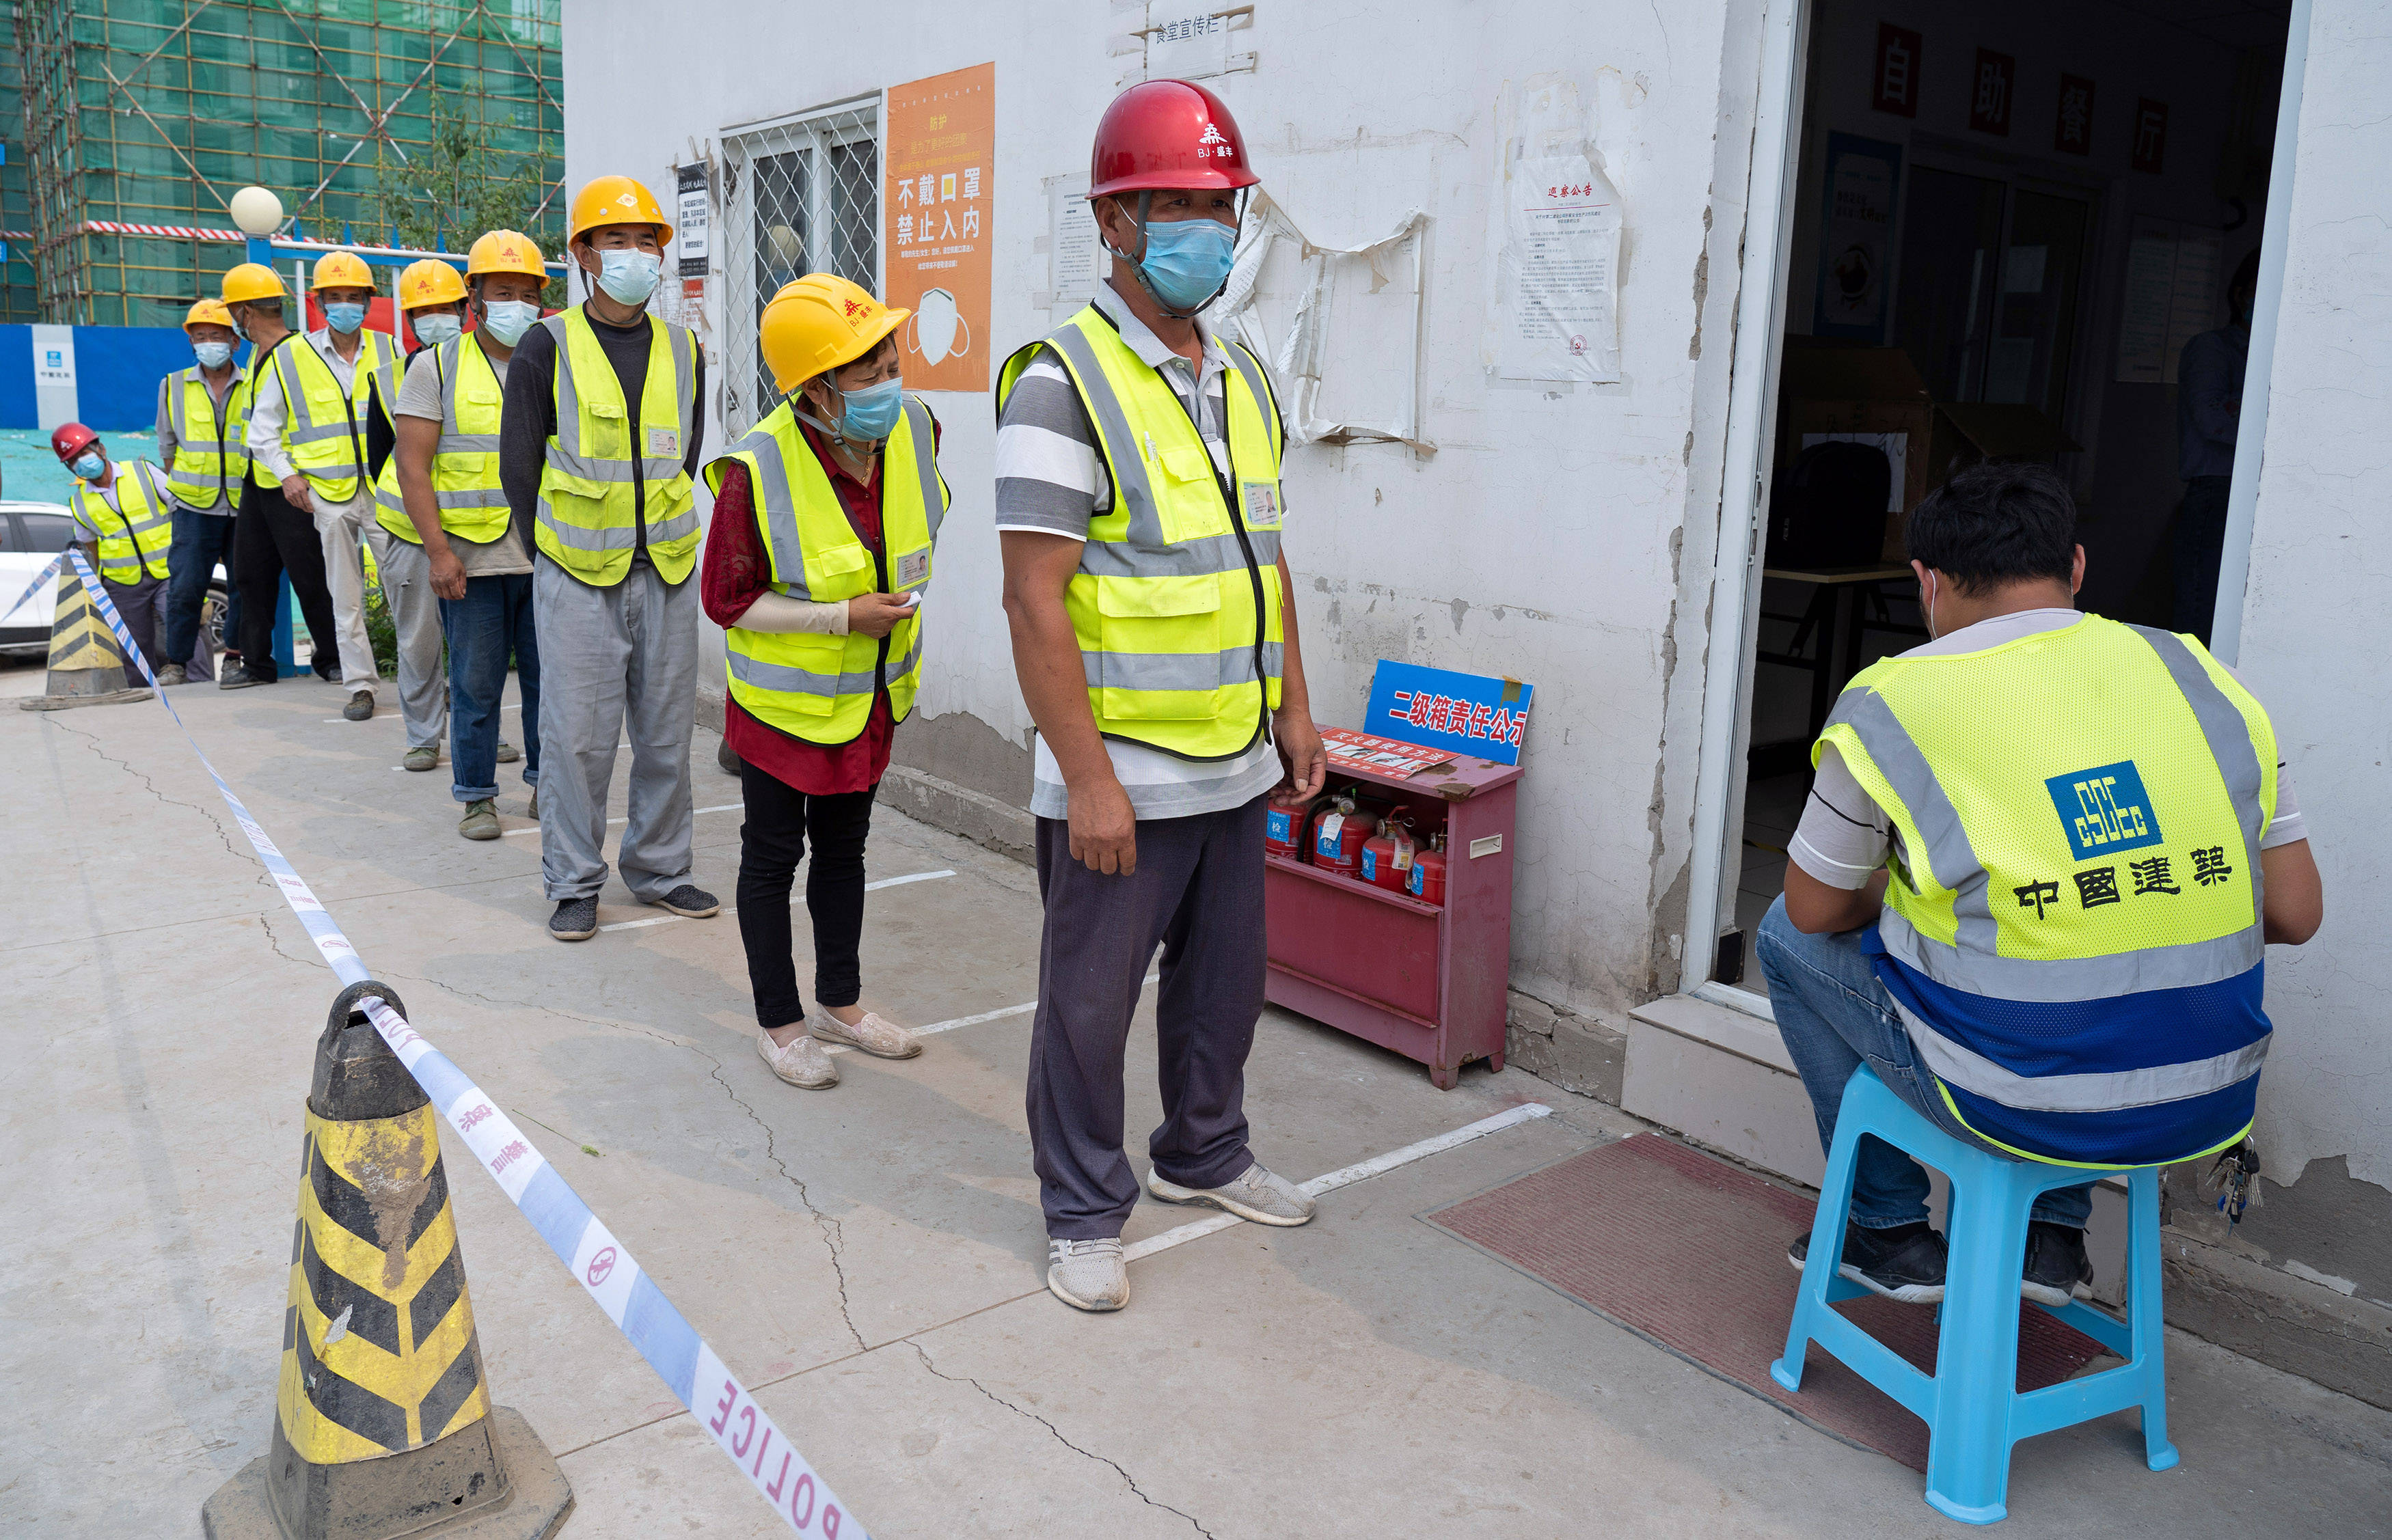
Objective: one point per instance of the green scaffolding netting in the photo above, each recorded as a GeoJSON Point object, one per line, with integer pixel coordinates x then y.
{"type": "Point", "coordinates": [156, 111]}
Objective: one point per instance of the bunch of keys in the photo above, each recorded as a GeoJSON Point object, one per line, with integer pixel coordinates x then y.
{"type": "Point", "coordinates": [2236, 1178]}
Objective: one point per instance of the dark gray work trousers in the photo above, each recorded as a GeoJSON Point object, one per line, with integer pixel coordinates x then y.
{"type": "Point", "coordinates": [1198, 893]}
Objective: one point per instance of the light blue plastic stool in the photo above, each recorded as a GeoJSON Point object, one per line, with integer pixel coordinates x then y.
{"type": "Point", "coordinates": [1972, 1408]}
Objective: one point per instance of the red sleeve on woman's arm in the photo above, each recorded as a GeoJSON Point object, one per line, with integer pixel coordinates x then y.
{"type": "Point", "coordinates": [737, 571]}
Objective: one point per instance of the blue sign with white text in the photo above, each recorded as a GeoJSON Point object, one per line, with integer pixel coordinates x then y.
{"type": "Point", "coordinates": [1438, 708]}
{"type": "Point", "coordinates": [2104, 809]}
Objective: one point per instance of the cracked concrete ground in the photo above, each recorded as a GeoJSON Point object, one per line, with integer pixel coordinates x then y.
{"type": "Point", "coordinates": [868, 1258]}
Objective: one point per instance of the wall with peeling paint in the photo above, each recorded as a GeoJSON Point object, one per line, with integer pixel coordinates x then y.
{"type": "Point", "coordinates": [2316, 647]}
{"type": "Point", "coordinates": [1548, 537]}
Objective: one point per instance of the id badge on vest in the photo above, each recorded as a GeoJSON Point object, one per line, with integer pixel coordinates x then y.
{"type": "Point", "coordinates": [1263, 510]}
{"type": "Point", "coordinates": [914, 567]}
{"type": "Point", "coordinates": [663, 443]}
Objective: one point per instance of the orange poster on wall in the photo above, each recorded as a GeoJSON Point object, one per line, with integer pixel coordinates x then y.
{"type": "Point", "coordinates": [941, 139]}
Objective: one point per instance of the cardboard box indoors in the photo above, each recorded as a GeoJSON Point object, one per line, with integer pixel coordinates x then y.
{"type": "Point", "coordinates": [1836, 390]}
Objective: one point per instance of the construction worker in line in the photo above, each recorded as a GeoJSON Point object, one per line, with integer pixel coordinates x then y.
{"type": "Point", "coordinates": [598, 452]}
{"type": "Point", "coordinates": [2031, 889]}
{"type": "Point", "coordinates": [441, 491]}
{"type": "Point", "coordinates": [203, 412]}
{"type": "Point", "coordinates": [270, 538]}
{"type": "Point", "coordinates": [824, 515]}
{"type": "Point", "coordinates": [307, 428]}
{"type": "Point", "coordinates": [125, 523]}
{"type": "Point", "coordinates": [1139, 506]}
{"type": "Point", "coordinates": [432, 297]}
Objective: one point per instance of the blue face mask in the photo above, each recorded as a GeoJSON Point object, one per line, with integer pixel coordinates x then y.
{"type": "Point", "coordinates": [507, 320]}
{"type": "Point", "coordinates": [871, 413]}
{"type": "Point", "coordinates": [212, 355]}
{"type": "Point", "coordinates": [89, 465]}
{"type": "Point", "coordinates": [433, 330]}
{"type": "Point", "coordinates": [1187, 262]}
{"type": "Point", "coordinates": [345, 318]}
{"type": "Point", "coordinates": [629, 276]}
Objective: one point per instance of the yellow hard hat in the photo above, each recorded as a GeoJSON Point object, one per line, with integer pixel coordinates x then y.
{"type": "Point", "coordinates": [505, 251]}
{"type": "Point", "coordinates": [431, 281]}
{"type": "Point", "coordinates": [819, 323]}
{"type": "Point", "coordinates": [207, 313]}
{"type": "Point", "coordinates": [340, 270]}
{"type": "Point", "coordinates": [616, 201]}
{"type": "Point", "coordinates": [253, 280]}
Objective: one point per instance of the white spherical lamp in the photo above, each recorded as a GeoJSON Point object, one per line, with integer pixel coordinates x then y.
{"type": "Point", "coordinates": [256, 211]}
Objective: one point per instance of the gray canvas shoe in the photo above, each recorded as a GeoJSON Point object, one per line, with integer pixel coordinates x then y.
{"type": "Point", "coordinates": [508, 752]}
{"type": "Point", "coordinates": [360, 707]}
{"type": "Point", "coordinates": [174, 673]}
{"type": "Point", "coordinates": [1087, 1275]}
{"type": "Point", "coordinates": [1254, 1194]}
{"type": "Point", "coordinates": [880, 1038]}
{"type": "Point", "coordinates": [481, 819]}
{"type": "Point", "coordinates": [423, 756]}
{"type": "Point", "coordinates": [575, 920]}
{"type": "Point", "coordinates": [802, 1063]}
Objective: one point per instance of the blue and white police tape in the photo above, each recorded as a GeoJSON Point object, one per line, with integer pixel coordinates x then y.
{"type": "Point", "coordinates": [602, 1265]}
{"type": "Point", "coordinates": [39, 578]}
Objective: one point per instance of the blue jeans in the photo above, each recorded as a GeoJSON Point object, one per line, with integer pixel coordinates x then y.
{"type": "Point", "coordinates": [1832, 1013]}
{"type": "Point", "coordinates": [493, 621]}
{"type": "Point", "coordinates": [200, 540]}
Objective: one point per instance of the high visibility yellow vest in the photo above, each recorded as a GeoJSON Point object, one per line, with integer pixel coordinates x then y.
{"type": "Point", "coordinates": [465, 463]}
{"type": "Point", "coordinates": [2071, 931]}
{"type": "Point", "coordinates": [324, 426]}
{"type": "Point", "coordinates": [815, 687]}
{"type": "Point", "coordinates": [1177, 604]}
{"type": "Point", "coordinates": [131, 521]}
{"type": "Point", "coordinates": [208, 458]}
{"type": "Point", "coordinates": [590, 508]}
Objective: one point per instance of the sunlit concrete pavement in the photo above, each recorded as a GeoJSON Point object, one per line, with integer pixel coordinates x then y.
{"type": "Point", "coordinates": [869, 1259]}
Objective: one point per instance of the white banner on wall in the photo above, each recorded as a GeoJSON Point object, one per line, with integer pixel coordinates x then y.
{"type": "Point", "coordinates": [1554, 313]}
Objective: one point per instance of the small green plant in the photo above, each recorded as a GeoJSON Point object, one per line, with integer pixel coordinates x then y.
{"type": "Point", "coordinates": [383, 631]}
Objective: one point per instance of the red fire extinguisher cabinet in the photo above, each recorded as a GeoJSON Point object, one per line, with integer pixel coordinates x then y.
{"type": "Point", "coordinates": [1425, 980]}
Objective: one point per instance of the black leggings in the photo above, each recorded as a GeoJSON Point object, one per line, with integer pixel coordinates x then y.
{"type": "Point", "coordinates": [771, 842]}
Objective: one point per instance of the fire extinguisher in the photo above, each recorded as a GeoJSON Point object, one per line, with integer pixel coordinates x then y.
{"type": "Point", "coordinates": [1338, 838]}
{"type": "Point", "coordinates": [1387, 856]}
{"type": "Point", "coordinates": [1427, 877]}
{"type": "Point", "coordinates": [1279, 831]}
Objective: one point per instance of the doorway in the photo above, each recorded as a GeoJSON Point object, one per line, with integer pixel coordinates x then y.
{"type": "Point", "coordinates": [2003, 225]}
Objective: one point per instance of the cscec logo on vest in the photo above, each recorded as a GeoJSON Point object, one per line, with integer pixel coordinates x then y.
{"type": "Point", "coordinates": [2104, 809]}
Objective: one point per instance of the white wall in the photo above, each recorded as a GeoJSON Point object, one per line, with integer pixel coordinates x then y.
{"type": "Point", "coordinates": [2316, 646]}
{"type": "Point", "coordinates": [1543, 538]}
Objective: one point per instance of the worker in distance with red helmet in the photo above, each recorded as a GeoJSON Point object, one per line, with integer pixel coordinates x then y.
{"type": "Point", "coordinates": [124, 518]}
{"type": "Point", "coordinates": [1140, 511]}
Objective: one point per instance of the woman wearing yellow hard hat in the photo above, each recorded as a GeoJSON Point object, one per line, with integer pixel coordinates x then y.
{"type": "Point", "coordinates": [442, 496]}
{"type": "Point", "coordinates": [203, 412]}
{"type": "Point", "coordinates": [599, 455]}
{"type": "Point", "coordinates": [824, 516]}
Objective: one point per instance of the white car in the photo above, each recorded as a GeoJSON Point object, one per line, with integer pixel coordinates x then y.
{"type": "Point", "coordinates": [31, 533]}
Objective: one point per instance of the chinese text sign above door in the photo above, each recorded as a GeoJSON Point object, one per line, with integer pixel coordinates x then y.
{"type": "Point", "coordinates": [940, 146]}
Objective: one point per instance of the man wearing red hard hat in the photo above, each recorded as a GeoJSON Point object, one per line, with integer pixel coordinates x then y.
{"type": "Point", "coordinates": [125, 523]}
{"type": "Point", "coordinates": [1139, 506]}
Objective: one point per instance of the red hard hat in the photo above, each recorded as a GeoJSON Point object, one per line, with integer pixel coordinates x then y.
{"type": "Point", "coordinates": [1167, 134]}
{"type": "Point", "coordinates": [69, 440]}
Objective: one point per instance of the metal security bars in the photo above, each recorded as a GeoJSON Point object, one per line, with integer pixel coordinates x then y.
{"type": "Point", "coordinates": [802, 196]}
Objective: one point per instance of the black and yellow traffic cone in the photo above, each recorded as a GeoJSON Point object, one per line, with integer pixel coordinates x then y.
{"type": "Point", "coordinates": [383, 1422]}
{"type": "Point", "coordinates": [86, 664]}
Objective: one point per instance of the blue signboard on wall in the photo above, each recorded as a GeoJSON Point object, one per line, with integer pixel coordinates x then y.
{"type": "Point", "coordinates": [1463, 713]}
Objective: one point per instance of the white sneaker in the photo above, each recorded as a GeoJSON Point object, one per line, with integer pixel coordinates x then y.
{"type": "Point", "coordinates": [801, 1064]}
{"type": "Point", "coordinates": [880, 1038]}
{"type": "Point", "coordinates": [1087, 1275]}
{"type": "Point", "coordinates": [1254, 1194]}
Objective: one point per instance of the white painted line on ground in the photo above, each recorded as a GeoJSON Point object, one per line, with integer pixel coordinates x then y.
{"type": "Point", "coordinates": [1349, 1175]}
{"type": "Point", "coordinates": [999, 1014]}
{"type": "Point", "coordinates": [734, 909]}
{"type": "Point", "coordinates": [723, 808]}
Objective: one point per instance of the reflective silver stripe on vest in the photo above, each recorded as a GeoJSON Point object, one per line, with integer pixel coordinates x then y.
{"type": "Point", "coordinates": [302, 428]}
{"type": "Point", "coordinates": [565, 454]}
{"type": "Point", "coordinates": [2229, 733]}
{"type": "Point", "coordinates": [612, 538]}
{"type": "Point", "coordinates": [757, 674]}
{"type": "Point", "coordinates": [1132, 490]}
{"type": "Point", "coordinates": [471, 497]}
{"type": "Point", "coordinates": [777, 498]}
{"type": "Point", "coordinates": [926, 465]}
{"type": "Point", "coordinates": [2106, 1092]}
{"type": "Point", "coordinates": [1177, 670]}
{"type": "Point", "coordinates": [1200, 558]}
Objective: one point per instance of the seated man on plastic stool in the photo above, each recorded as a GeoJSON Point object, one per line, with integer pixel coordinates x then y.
{"type": "Point", "coordinates": [2031, 887]}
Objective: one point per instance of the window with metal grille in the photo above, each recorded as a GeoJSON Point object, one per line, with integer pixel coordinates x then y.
{"type": "Point", "coordinates": [804, 196]}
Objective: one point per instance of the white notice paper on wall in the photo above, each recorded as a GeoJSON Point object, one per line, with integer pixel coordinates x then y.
{"type": "Point", "coordinates": [1072, 249]}
{"type": "Point", "coordinates": [1557, 278]}
{"type": "Point", "coordinates": [691, 221]}
{"type": "Point", "coordinates": [2171, 297]}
